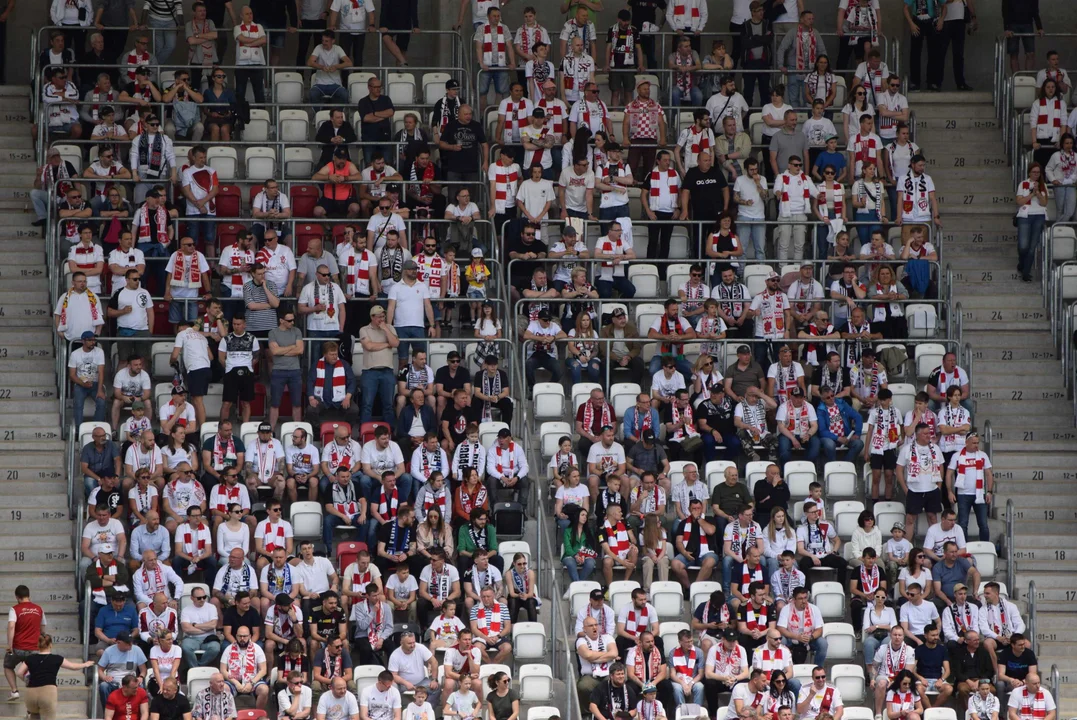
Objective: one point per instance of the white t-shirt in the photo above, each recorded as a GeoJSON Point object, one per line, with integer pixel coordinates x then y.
{"type": "Point", "coordinates": [924, 579]}
{"type": "Point", "coordinates": [770, 110]}
{"type": "Point", "coordinates": [551, 331]}
{"type": "Point", "coordinates": [667, 387]}
{"type": "Point", "coordinates": [1017, 698]}
{"type": "Point", "coordinates": [928, 466]}
{"type": "Point", "coordinates": [315, 577]}
{"type": "Point", "coordinates": [194, 615]}
{"type": "Point", "coordinates": [576, 187]}
{"type": "Point", "coordinates": [919, 616]}
{"type": "Point", "coordinates": [239, 358]}
{"type": "Point", "coordinates": [410, 306]}
{"type": "Point", "coordinates": [380, 705]}
{"type": "Point", "coordinates": [334, 708]}
{"type": "Point", "coordinates": [194, 348]}
{"type": "Point", "coordinates": [382, 460]}
{"type": "Point", "coordinates": [965, 482]}
{"type": "Point", "coordinates": [393, 222]}
{"type": "Point", "coordinates": [101, 535]}
{"type": "Point", "coordinates": [138, 299]}
{"type": "Point", "coordinates": [401, 590]}
{"type": "Point", "coordinates": [86, 363]}
{"type": "Point", "coordinates": [278, 264]}
{"type": "Point", "coordinates": [166, 661]}
{"type": "Point", "coordinates": [167, 410]}
{"type": "Point", "coordinates": [817, 130]}
{"type": "Point", "coordinates": [303, 460]}
{"type": "Point", "coordinates": [285, 697]}
{"type": "Point", "coordinates": [321, 320]}
{"type": "Point", "coordinates": [721, 106]}
{"type": "Point", "coordinates": [579, 493]}
{"type": "Point", "coordinates": [535, 195]}
{"type": "Point", "coordinates": [131, 385]}
{"type": "Point", "coordinates": [410, 666]}
{"type": "Point", "coordinates": [333, 56]}
{"type": "Point", "coordinates": [126, 260]}
{"type": "Point", "coordinates": [746, 188]}
{"type": "Point", "coordinates": [784, 411]}
{"type": "Point", "coordinates": [201, 181]}
{"type": "Point", "coordinates": [606, 459]}
{"type": "Point", "coordinates": [936, 537]}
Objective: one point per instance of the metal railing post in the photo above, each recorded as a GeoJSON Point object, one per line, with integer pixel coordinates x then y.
{"type": "Point", "coordinates": [1010, 570]}
{"type": "Point", "coordinates": [1032, 599]}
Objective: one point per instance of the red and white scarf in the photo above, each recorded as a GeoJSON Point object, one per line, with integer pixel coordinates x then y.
{"type": "Point", "coordinates": [893, 663]}
{"type": "Point", "coordinates": [196, 540]}
{"type": "Point", "coordinates": [339, 380]}
{"type": "Point", "coordinates": [187, 266]}
{"type": "Point", "coordinates": [1049, 118]}
{"type": "Point", "coordinates": [506, 180]}
{"type": "Point", "coordinates": [998, 624]}
{"type": "Point", "coordinates": [223, 496]}
{"type": "Point", "coordinates": [387, 506]}
{"type": "Point", "coordinates": [802, 622]}
{"type": "Point", "coordinates": [787, 181]}
{"type": "Point", "coordinates": [100, 98]}
{"type": "Point", "coordinates": [142, 220]}
{"type": "Point", "coordinates": [1033, 706]}
{"type": "Point", "coordinates": [832, 197]}
{"type": "Point", "coordinates": [689, 428]}
{"type": "Point", "coordinates": [748, 575]}
{"type": "Point", "coordinates": [772, 312]}
{"type": "Point", "coordinates": [268, 531]}
{"type": "Point", "coordinates": [902, 703]}
{"type": "Point", "coordinates": [637, 621]}
{"type": "Point", "coordinates": [489, 619]}
{"type": "Point", "coordinates": [685, 663]}
{"type": "Point", "coordinates": [805, 61]}
{"type": "Point", "coordinates": [358, 272]}
{"type": "Point", "coordinates": [242, 664]}
{"type": "Point", "coordinates": [617, 538]}
{"type": "Point", "coordinates": [134, 60]}
{"type": "Point", "coordinates": [691, 528]}
{"type": "Point", "coordinates": [360, 580]}
{"type": "Point", "coordinates": [239, 259]}
{"type": "Point", "coordinates": [885, 422]}
{"type": "Point", "coordinates": [506, 459]}
{"type": "Point", "coordinates": [728, 662]}
{"type": "Point", "coordinates": [965, 466]}
{"type": "Point", "coordinates": [605, 416]}
{"type": "Point", "coordinates": [865, 149]}
{"type": "Point", "coordinates": [797, 421]}
{"type": "Point", "coordinates": [671, 327]}
{"type": "Point", "coordinates": [494, 45]}
{"type": "Point", "coordinates": [555, 119]}
{"type": "Point", "coordinates": [377, 619]}
{"type": "Point", "coordinates": [664, 188]}
{"type": "Point", "coordinates": [869, 581]}
{"type": "Point", "coordinates": [516, 116]}
{"type": "Point", "coordinates": [647, 672]}
{"type": "Point", "coordinates": [221, 451]}
{"type": "Point", "coordinates": [756, 619]}
{"type": "Point", "coordinates": [962, 623]}
{"type": "Point", "coordinates": [771, 660]}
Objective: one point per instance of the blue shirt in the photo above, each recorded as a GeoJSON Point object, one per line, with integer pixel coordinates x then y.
{"type": "Point", "coordinates": [119, 663]}
{"type": "Point", "coordinates": [929, 662]}
{"type": "Point", "coordinates": [836, 159]}
{"type": "Point", "coordinates": [111, 623]}
{"type": "Point", "coordinates": [947, 577]}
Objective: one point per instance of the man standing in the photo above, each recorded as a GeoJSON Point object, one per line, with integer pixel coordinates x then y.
{"type": "Point", "coordinates": [188, 272]}
{"type": "Point", "coordinates": [797, 53]}
{"type": "Point", "coordinates": [796, 197]}
{"type": "Point", "coordinates": [377, 111]}
{"type": "Point", "coordinates": [623, 58]}
{"type": "Point", "coordinates": [409, 307]}
{"type": "Point", "coordinates": [377, 378]}
{"type": "Point", "coordinates": [704, 193]}
{"type": "Point", "coordinates": [644, 125]}
{"type": "Point", "coordinates": [919, 473]}
{"type": "Point", "coordinates": [663, 199]}
{"type": "Point", "coordinates": [25, 623]}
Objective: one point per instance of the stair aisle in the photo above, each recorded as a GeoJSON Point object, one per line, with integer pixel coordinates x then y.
{"type": "Point", "coordinates": [1017, 378]}
{"type": "Point", "coordinates": [35, 524]}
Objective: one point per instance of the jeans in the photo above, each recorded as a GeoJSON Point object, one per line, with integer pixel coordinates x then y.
{"type": "Point", "coordinates": [202, 230]}
{"type": "Point", "coordinates": [575, 370]}
{"type": "Point", "coordinates": [865, 231]}
{"type": "Point", "coordinates": [376, 381]}
{"type": "Point", "coordinates": [710, 447]}
{"type": "Point", "coordinates": [164, 42]}
{"type": "Point", "coordinates": [785, 448]}
{"type": "Point", "coordinates": [756, 235]}
{"type": "Point", "coordinates": [794, 89]}
{"type": "Point", "coordinates": [281, 380]}
{"type": "Point", "coordinates": [331, 522]}
{"type": "Point", "coordinates": [575, 572]}
{"type": "Point", "coordinates": [408, 334]}
{"type": "Point", "coordinates": [608, 214]}
{"type": "Point", "coordinates": [871, 645]}
{"type": "Point", "coordinates": [189, 645]}
{"type": "Point", "coordinates": [728, 564]}
{"type": "Point", "coordinates": [498, 77]}
{"type": "Point", "coordinates": [790, 237]}
{"type": "Point", "coordinates": [78, 399]}
{"type": "Point", "coordinates": [695, 97]}
{"type": "Point", "coordinates": [331, 93]}
{"type": "Point", "coordinates": [1029, 235]}
{"type": "Point", "coordinates": [42, 201]}
{"type": "Point", "coordinates": [104, 689]}
{"type": "Point", "coordinates": [678, 693]}
{"type": "Point", "coordinates": [542, 360]}
{"type": "Point", "coordinates": [966, 503]}
{"type": "Point", "coordinates": [753, 79]}
{"type": "Point", "coordinates": [619, 283]}
{"type": "Point", "coordinates": [830, 449]}
{"type": "Point", "coordinates": [818, 647]}
{"type": "Point", "coordinates": [1065, 203]}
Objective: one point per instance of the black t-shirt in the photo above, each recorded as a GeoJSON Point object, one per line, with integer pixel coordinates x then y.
{"type": "Point", "coordinates": [43, 669]}
{"type": "Point", "coordinates": [173, 709]}
{"type": "Point", "coordinates": [705, 190]}
{"type": "Point", "coordinates": [832, 377]}
{"type": "Point", "coordinates": [611, 700]}
{"type": "Point", "coordinates": [234, 621]}
{"type": "Point", "coordinates": [644, 11]}
{"type": "Point", "coordinates": [524, 269]}
{"type": "Point", "coordinates": [929, 660]}
{"type": "Point", "coordinates": [1017, 667]}
{"type": "Point", "coordinates": [381, 130]}
{"type": "Point", "coordinates": [286, 664]}
{"type": "Point", "coordinates": [719, 417]}
{"type": "Point", "coordinates": [112, 497]}
{"type": "Point", "coordinates": [470, 136]}
{"type": "Point", "coordinates": [448, 382]}
{"type": "Point", "coordinates": [326, 624]}
{"type": "Point", "coordinates": [458, 421]}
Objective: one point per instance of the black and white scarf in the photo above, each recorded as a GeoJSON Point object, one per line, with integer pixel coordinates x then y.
{"type": "Point", "coordinates": [391, 263]}
{"type": "Point", "coordinates": [152, 157]}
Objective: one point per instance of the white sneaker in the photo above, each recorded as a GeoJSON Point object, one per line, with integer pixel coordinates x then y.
{"type": "Point", "coordinates": [12, 697]}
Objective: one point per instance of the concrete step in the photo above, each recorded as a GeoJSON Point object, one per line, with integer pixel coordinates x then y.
{"type": "Point", "coordinates": [1008, 459]}
{"type": "Point", "coordinates": [44, 444]}
{"type": "Point", "coordinates": [1063, 648]}
{"type": "Point", "coordinates": [64, 709]}
{"type": "Point", "coordinates": [38, 569]}
{"type": "Point", "coordinates": [49, 481]}
{"type": "Point", "coordinates": [981, 338]}
{"type": "Point", "coordinates": [28, 272]}
{"type": "Point", "coordinates": [13, 338]}
{"type": "Point", "coordinates": [969, 145]}
{"type": "Point", "coordinates": [1047, 493]}
{"type": "Point", "coordinates": [1003, 354]}
{"type": "Point", "coordinates": [993, 157]}
{"type": "Point", "coordinates": [1007, 426]}
{"type": "Point", "coordinates": [1049, 517]}
{"type": "Point", "coordinates": [32, 406]}
{"type": "Point", "coordinates": [1019, 402]}
{"type": "Point", "coordinates": [34, 522]}
{"type": "Point", "coordinates": [22, 315]}
{"type": "Point", "coordinates": [966, 100]}
{"type": "Point", "coordinates": [927, 111]}
{"type": "Point", "coordinates": [31, 421]}
{"type": "Point", "coordinates": [36, 555]}
{"type": "Point", "coordinates": [956, 239]}
{"type": "Point", "coordinates": [35, 295]}
{"type": "Point", "coordinates": [31, 258]}
{"type": "Point", "coordinates": [987, 222]}
{"type": "Point", "coordinates": [986, 194]}
{"type": "Point", "coordinates": [1033, 383]}
{"type": "Point", "coordinates": [1036, 444]}
{"type": "Point", "coordinates": [50, 581]}
{"type": "Point", "coordinates": [1006, 325]}
{"type": "Point", "coordinates": [950, 126]}
{"type": "Point", "coordinates": [23, 283]}
{"type": "Point", "coordinates": [9, 400]}
{"type": "Point", "coordinates": [986, 283]}
{"type": "Point", "coordinates": [39, 379]}
{"type": "Point", "coordinates": [15, 366]}
{"type": "Point", "coordinates": [1003, 301]}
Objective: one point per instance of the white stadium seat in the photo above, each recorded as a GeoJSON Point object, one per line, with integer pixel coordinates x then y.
{"type": "Point", "coordinates": [620, 593]}
{"type": "Point", "coordinates": [261, 163]}
{"type": "Point", "coordinates": [830, 598]}
{"type": "Point", "coordinates": [548, 399]}
{"type": "Point", "coordinates": [579, 594]}
{"type": "Point", "coordinates": [289, 88]}
{"type": "Point", "coordinates": [668, 599]}
{"type": "Point", "coordinates": [293, 126]}
{"type": "Point", "coordinates": [716, 472]}
{"type": "Point", "coordinates": [841, 640]}
{"type": "Point", "coordinates": [528, 641]}
{"type": "Point", "coordinates": [536, 680]}
{"type": "Point", "coordinates": [850, 681]}
{"type": "Point", "coordinates": [357, 89]}
{"type": "Point", "coordinates": [550, 433]}
{"type": "Point", "coordinates": [224, 160]}
{"type": "Point", "coordinates": [839, 479]}
{"type": "Point", "coordinates": [799, 474]}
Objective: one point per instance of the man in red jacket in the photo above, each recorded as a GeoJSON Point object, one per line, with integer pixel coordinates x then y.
{"type": "Point", "coordinates": [24, 623]}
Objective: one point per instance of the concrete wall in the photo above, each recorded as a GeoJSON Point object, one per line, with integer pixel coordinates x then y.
{"type": "Point", "coordinates": [1058, 15]}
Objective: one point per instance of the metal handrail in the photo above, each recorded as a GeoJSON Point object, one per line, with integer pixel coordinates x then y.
{"type": "Point", "coordinates": [1056, 684]}
{"type": "Point", "coordinates": [1011, 572]}
{"type": "Point", "coordinates": [1031, 600]}
{"type": "Point", "coordinates": [988, 435]}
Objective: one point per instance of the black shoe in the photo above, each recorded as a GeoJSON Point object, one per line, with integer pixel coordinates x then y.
{"type": "Point", "coordinates": [913, 87]}
{"type": "Point", "coordinates": [39, 223]}
{"type": "Point", "coordinates": [1026, 278]}
{"type": "Point", "coordinates": [964, 88]}
{"type": "Point", "coordinates": [934, 88]}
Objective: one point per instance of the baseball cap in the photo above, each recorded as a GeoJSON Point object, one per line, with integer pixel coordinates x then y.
{"type": "Point", "coordinates": [410, 265]}
{"type": "Point", "coordinates": [569, 230]}
{"type": "Point", "coordinates": [729, 634]}
{"type": "Point", "coordinates": [544, 315]}
{"type": "Point", "coordinates": [538, 112]}
{"type": "Point", "coordinates": [105, 548]}
{"type": "Point", "coordinates": [53, 152]}
{"type": "Point", "coordinates": [898, 526]}
{"type": "Point", "coordinates": [89, 335]}
{"type": "Point", "coordinates": [265, 427]}
{"type": "Point", "coordinates": [796, 392]}
{"type": "Point", "coordinates": [452, 85]}
{"type": "Point", "coordinates": [340, 152]}
{"type": "Point", "coordinates": [476, 252]}
{"type": "Point", "coordinates": [648, 435]}
{"type": "Point", "coordinates": [772, 275]}
{"type": "Point", "coordinates": [649, 688]}
{"type": "Point", "coordinates": [138, 405]}
{"type": "Point", "coordinates": [179, 390]}
{"type": "Point", "coordinates": [504, 433]}
{"type": "Point", "coordinates": [597, 594]}
{"type": "Point", "coordinates": [744, 349]}
{"type": "Point", "coordinates": [122, 636]}
{"type": "Point", "coordinates": [642, 80]}
{"type": "Point", "coordinates": [377, 310]}
{"type": "Point", "coordinates": [717, 389]}
{"type": "Point", "coordinates": [960, 586]}
{"type": "Point", "coordinates": [618, 312]}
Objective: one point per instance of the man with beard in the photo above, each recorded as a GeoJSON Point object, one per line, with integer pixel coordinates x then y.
{"type": "Point", "coordinates": [424, 196]}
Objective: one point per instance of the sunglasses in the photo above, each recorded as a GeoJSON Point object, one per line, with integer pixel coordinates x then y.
{"type": "Point", "coordinates": [323, 274]}
{"type": "Point", "coordinates": [385, 207]}
{"type": "Point", "coordinates": [288, 320]}
{"type": "Point", "coordinates": [198, 597]}
{"type": "Point", "coordinates": [154, 124]}
{"type": "Point", "coordinates": [795, 165]}
{"type": "Point", "coordinates": [454, 361]}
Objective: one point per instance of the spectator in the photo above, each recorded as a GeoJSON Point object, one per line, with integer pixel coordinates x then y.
{"type": "Point", "coordinates": [96, 99]}
{"type": "Point", "coordinates": [215, 701]}
{"type": "Point", "coordinates": [338, 197]}
{"type": "Point", "coordinates": [338, 131]}
{"type": "Point", "coordinates": [55, 170]}
{"type": "Point", "coordinates": [357, 19]}
{"type": "Point", "coordinates": [999, 621]}
{"type": "Point", "coordinates": [119, 661]}
{"type": "Point", "coordinates": [86, 369]}
{"type": "Point", "coordinates": [1015, 664]}
{"type": "Point", "coordinates": [1024, 21]}
{"type": "Point", "coordinates": [203, 39]}
{"type": "Point", "coordinates": [728, 103]}
{"type": "Point", "coordinates": [376, 111]}
{"type": "Point", "coordinates": [464, 150]}
{"type": "Point", "coordinates": [507, 469]}
{"type": "Point", "coordinates": [532, 45]}
{"type": "Point", "coordinates": [294, 701]}
{"type": "Point", "coordinates": [60, 97]}
{"type": "Point", "coordinates": [1062, 175]}
{"type": "Point", "coordinates": [797, 53]}
{"type": "Point", "coordinates": [409, 306]}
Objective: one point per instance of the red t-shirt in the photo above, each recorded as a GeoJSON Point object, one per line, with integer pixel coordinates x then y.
{"type": "Point", "coordinates": [126, 708]}
{"type": "Point", "coordinates": [28, 618]}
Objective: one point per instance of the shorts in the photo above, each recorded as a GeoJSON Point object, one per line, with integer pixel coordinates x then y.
{"type": "Point", "coordinates": [260, 334]}
{"type": "Point", "coordinates": [218, 121]}
{"type": "Point", "coordinates": [281, 379]}
{"type": "Point", "coordinates": [495, 646]}
{"type": "Point", "coordinates": [918, 502]}
{"type": "Point", "coordinates": [238, 386]}
{"type": "Point", "coordinates": [198, 382]}
{"type": "Point", "coordinates": [886, 461]}
{"type": "Point", "coordinates": [63, 128]}
{"type": "Point", "coordinates": [698, 561]}
{"type": "Point", "coordinates": [232, 686]}
{"type": "Point", "coordinates": [624, 80]}
{"type": "Point", "coordinates": [277, 40]}
{"type": "Point", "coordinates": [498, 77]}
{"type": "Point", "coordinates": [13, 658]}
{"type": "Point", "coordinates": [932, 684]}
{"type": "Point", "coordinates": [1013, 44]}
{"type": "Point", "coordinates": [176, 310]}
{"type": "Point", "coordinates": [476, 293]}
{"type": "Point", "coordinates": [402, 39]}
{"type": "Point", "coordinates": [335, 208]}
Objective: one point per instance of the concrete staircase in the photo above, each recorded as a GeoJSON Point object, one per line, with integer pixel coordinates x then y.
{"type": "Point", "coordinates": [35, 523]}
{"type": "Point", "coordinates": [1016, 379]}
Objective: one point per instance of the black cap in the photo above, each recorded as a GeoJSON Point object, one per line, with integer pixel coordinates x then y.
{"type": "Point", "coordinates": [744, 349]}
{"type": "Point", "coordinates": [568, 230]}
{"type": "Point", "coordinates": [624, 14]}
{"type": "Point", "coordinates": [729, 634]}
{"type": "Point", "coordinates": [179, 390]}
{"type": "Point", "coordinates": [283, 600]}
{"type": "Point", "coordinates": [122, 636]}
{"type": "Point", "coordinates": [796, 392]}
{"type": "Point", "coordinates": [106, 110]}
{"type": "Point", "coordinates": [504, 433]}
{"type": "Point", "coordinates": [265, 427]}
{"type": "Point", "coordinates": [544, 315]}
{"type": "Point", "coordinates": [452, 85]}
{"type": "Point", "coordinates": [647, 435]}
{"type": "Point", "coordinates": [597, 594]}
{"type": "Point", "coordinates": [538, 112]}
{"type": "Point", "coordinates": [341, 152]}
{"type": "Point", "coordinates": [618, 312]}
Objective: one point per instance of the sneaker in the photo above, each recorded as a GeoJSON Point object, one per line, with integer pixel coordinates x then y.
{"type": "Point", "coordinates": [964, 88]}
{"type": "Point", "coordinates": [567, 595]}
{"type": "Point", "coordinates": [913, 87]}
{"type": "Point", "coordinates": [12, 697]}
{"type": "Point", "coordinates": [934, 88]}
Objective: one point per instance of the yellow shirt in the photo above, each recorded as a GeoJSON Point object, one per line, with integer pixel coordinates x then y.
{"type": "Point", "coordinates": [477, 275]}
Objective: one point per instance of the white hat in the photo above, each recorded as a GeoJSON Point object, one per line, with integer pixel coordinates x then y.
{"type": "Point", "coordinates": [105, 548]}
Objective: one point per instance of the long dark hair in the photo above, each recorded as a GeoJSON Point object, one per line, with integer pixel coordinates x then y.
{"type": "Point", "coordinates": [580, 142]}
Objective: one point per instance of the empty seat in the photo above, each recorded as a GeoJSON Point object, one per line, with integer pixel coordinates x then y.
{"type": "Point", "coordinates": [528, 641]}
{"type": "Point", "coordinates": [668, 599]}
{"type": "Point", "coordinates": [548, 399]}
{"type": "Point", "coordinates": [928, 357]}
{"type": "Point", "coordinates": [887, 513]}
{"type": "Point", "coordinates": [839, 479]}
{"type": "Point", "coordinates": [830, 598]}
{"type": "Point", "coordinates": [298, 163]}
{"type": "Point", "coordinates": [923, 321]}
{"type": "Point", "coordinates": [288, 88]}
{"type": "Point", "coordinates": [434, 86]}
{"type": "Point", "coordinates": [223, 159]}
{"type": "Point", "coordinates": [755, 277]}
{"type": "Point", "coordinates": [257, 130]}
{"type": "Point", "coordinates": [904, 396]}
{"type": "Point", "coordinates": [261, 163]}
{"type": "Point", "coordinates": [841, 640]}
{"type": "Point", "coordinates": [849, 680]}
{"type": "Point", "coordinates": [306, 519]}
{"type": "Point", "coordinates": [799, 474]}
{"type": "Point", "coordinates": [646, 314]}
{"type": "Point", "coordinates": [983, 552]}
{"type": "Point", "coordinates": [293, 126]}
{"type": "Point", "coordinates": [401, 88]}
{"type": "Point", "coordinates": [536, 680]}
{"type": "Point", "coordinates": [645, 278]}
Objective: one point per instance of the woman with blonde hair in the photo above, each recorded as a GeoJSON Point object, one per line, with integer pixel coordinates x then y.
{"type": "Point", "coordinates": [705, 375]}
{"type": "Point", "coordinates": [582, 354]}
{"type": "Point", "coordinates": [654, 549]}
{"type": "Point", "coordinates": [40, 670]}
{"type": "Point", "coordinates": [777, 538]}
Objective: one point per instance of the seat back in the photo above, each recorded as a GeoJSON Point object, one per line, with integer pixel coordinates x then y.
{"type": "Point", "coordinates": [799, 474]}
{"type": "Point", "coordinates": [620, 593]}
{"type": "Point", "coordinates": [839, 479]}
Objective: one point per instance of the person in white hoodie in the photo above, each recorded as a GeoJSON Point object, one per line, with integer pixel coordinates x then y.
{"type": "Point", "coordinates": [1062, 176]}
